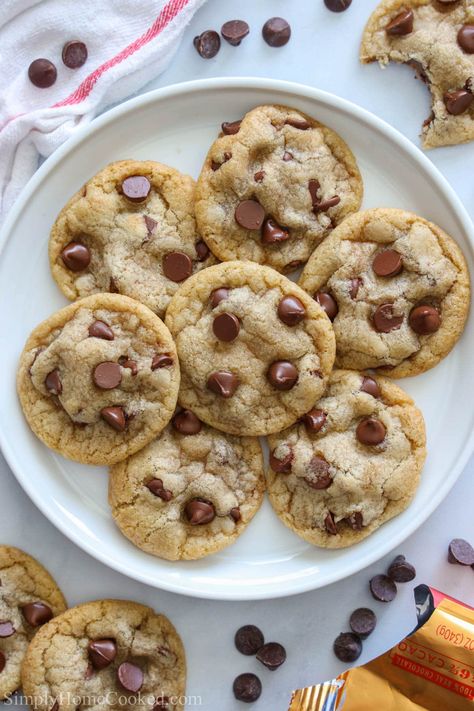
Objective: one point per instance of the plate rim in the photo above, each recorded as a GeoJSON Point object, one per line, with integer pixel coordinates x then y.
{"type": "Point", "coordinates": [293, 586]}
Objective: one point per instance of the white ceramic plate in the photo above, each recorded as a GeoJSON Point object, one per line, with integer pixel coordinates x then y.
{"type": "Point", "coordinates": [176, 125]}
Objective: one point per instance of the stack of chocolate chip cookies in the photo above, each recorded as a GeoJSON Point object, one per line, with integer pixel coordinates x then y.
{"type": "Point", "coordinates": [175, 407]}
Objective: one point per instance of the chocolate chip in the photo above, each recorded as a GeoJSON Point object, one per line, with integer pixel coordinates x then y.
{"type": "Point", "coordinates": [314, 420]}
{"type": "Point", "coordinates": [100, 329]}
{"type": "Point", "coordinates": [177, 266]}
{"type": "Point", "coordinates": [460, 551]}
{"type": "Point", "coordinates": [53, 382]}
{"type": "Point", "coordinates": [113, 288]}
{"type": "Point", "coordinates": [37, 613]}
{"type": "Point", "coordinates": [3, 661]}
{"type": "Point", "coordinates": [385, 320]}
{"type": "Point", "coordinates": [287, 156]}
{"type": "Point", "coordinates": [401, 571]}
{"type": "Point", "coordinates": [272, 232]}
{"type": "Point", "coordinates": [42, 73]}
{"type": "Point", "coordinates": [355, 521]}
{"type": "Point", "coordinates": [129, 364]}
{"type": "Point", "coordinates": [282, 375]}
{"type": "Point", "coordinates": [318, 473]}
{"type": "Point", "coordinates": [300, 123]}
{"type": "Point", "coordinates": [314, 187]}
{"type": "Point", "coordinates": [74, 54]}
{"type": "Point", "coordinates": [401, 25]}
{"type": "Point", "coordinates": [387, 263]}
{"type": "Point", "coordinates": [370, 386]}
{"type": "Point", "coordinates": [248, 639]}
{"type": "Point", "coordinates": [281, 466]}
{"type": "Point", "coordinates": [218, 295]}
{"type": "Point", "coordinates": [291, 310]}
{"type": "Point", "coordinates": [247, 687]}
{"type": "Point", "coordinates": [161, 704]}
{"type": "Point", "coordinates": [107, 375]}
{"type": "Point", "coordinates": [207, 44]}
{"type": "Point", "coordinates": [130, 677]}
{"type": "Point", "coordinates": [330, 524]}
{"type": "Point", "coordinates": [466, 38]}
{"type": "Point", "coordinates": [259, 176]}
{"type": "Point", "coordinates": [337, 5]}
{"type": "Point", "coordinates": [55, 706]}
{"type": "Point", "coordinates": [102, 652]}
{"type": "Point", "coordinates": [249, 214]}
{"type": "Point", "coordinates": [383, 588]}
{"type": "Point", "coordinates": [424, 319]}
{"type": "Point", "coordinates": [199, 512]}
{"type": "Point", "coordinates": [136, 188]}
{"type": "Point", "coordinates": [161, 360]}
{"type": "Point", "coordinates": [347, 647]}
{"type": "Point", "coordinates": [202, 251]}
{"type": "Point", "coordinates": [230, 128]}
{"type": "Point", "coordinates": [235, 514]}
{"type": "Point", "coordinates": [457, 102]}
{"type": "Point", "coordinates": [272, 655]}
{"type": "Point", "coordinates": [370, 431]}
{"type": "Point", "coordinates": [150, 224]}
{"type": "Point", "coordinates": [6, 629]}
{"type": "Point", "coordinates": [186, 422]}
{"type": "Point", "coordinates": [354, 286]}
{"type": "Point", "coordinates": [276, 32]}
{"type": "Point", "coordinates": [327, 303]}
{"type": "Point", "coordinates": [223, 383]}
{"type": "Point", "coordinates": [234, 31]}
{"type": "Point", "coordinates": [293, 265]}
{"type": "Point", "coordinates": [363, 621]}
{"type": "Point", "coordinates": [115, 417]}
{"type": "Point", "coordinates": [226, 327]}
{"type": "Point", "coordinates": [324, 205]}
{"type": "Point", "coordinates": [157, 489]}
{"type": "Point", "coordinates": [76, 256]}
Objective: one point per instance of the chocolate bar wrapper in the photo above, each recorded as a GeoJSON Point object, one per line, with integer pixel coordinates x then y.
{"type": "Point", "coordinates": [432, 668]}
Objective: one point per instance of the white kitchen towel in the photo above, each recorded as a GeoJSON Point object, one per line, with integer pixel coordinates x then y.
{"type": "Point", "coordinates": [129, 43]}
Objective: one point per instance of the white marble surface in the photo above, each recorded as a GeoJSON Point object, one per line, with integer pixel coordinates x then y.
{"type": "Point", "coordinates": [322, 53]}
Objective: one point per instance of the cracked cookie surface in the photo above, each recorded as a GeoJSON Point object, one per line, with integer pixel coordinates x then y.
{"type": "Point", "coordinates": [398, 291]}
{"type": "Point", "coordinates": [29, 597]}
{"type": "Point", "coordinates": [104, 654]}
{"type": "Point", "coordinates": [255, 350]}
{"type": "Point", "coordinates": [131, 230]}
{"type": "Point", "coordinates": [99, 379]}
{"type": "Point", "coordinates": [190, 492]}
{"type": "Point", "coordinates": [353, 462]}
{"type": "Point", "coordinates": [271, 190]}
{"type": "Point", "coordinates": [437, 38]}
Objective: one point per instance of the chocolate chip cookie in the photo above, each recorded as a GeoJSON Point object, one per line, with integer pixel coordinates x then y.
{"type": "Point", "coordinates": [29, 597]}
{"type": "Point", "coordinates": [273, 186]}
{"type": "Point", "coordinates": [190, 492]}
{"type": "Point", "coordinates": [351, 463]}
{"type": "Point", "coordinates": [396, 288]}
{"type": "Point", "coordinates": [436, 37]}
{"type": "Point", "coordinates": [99, 379]}
{"type": "Point", "coordinates": [106, 654]}
{"type": "Point", "coordinates": [129, 230]}
{"type": "Point", "coordinates": [255, 350]}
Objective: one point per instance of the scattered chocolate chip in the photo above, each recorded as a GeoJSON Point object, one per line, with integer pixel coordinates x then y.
{"type": "Point", "coordinates": [466, 38]}
{"type": "Point", "coordinates": [177, 266]}
{"type": "Point", "coordinates": [460, 551]}
{"type": "Point", "coordinates": [186, 423]}
{"type": "Point", "coordinates": [354, 286]}
{"type": "Point", "coordinates": [355, 521]}
{"type": "Point", "coordinates": [76, 256]}
{"type": "Point", "coordinates": [300, 123]}
{"type": "Point", "coordinates": [330, 524]}
{"type": "Point", "coordinates": [156, 487]}
{"type": "Point", "coordinates": [115, 417]}
{"type": "Point", "coordinates": [129, 364]}
{"type": "Point", "coordinates": [3, 661]}
{"type": "Point", "coordinates": [401, 25]}
{"type": "Point", "coordinates": [259, 176]}
{"type": "Point", "coordinates": [250, 214]}
{"type": "Point", "coordinates": [37, 613]}
{"type": "Point", "coordinates": [387, 263]}
{"type": "Point", "coordinates": [327, 303]}
{"type": "Point", "coordinates": [247, 687]}
{"type": "Point", "coordinates": [291, 310]}
{"type": "Point", "coordinates": [457, 102]}
{"type": "Point", "coordinates": [325, 205]}
{"type": "Point", "coordinates": [102, 652]}
{"type": "Point", "coordinates": [74, 54]}
{"type": "Point", "coordinates": [202, 251]}
{"type": "Point", "coordinates": [113, 288]}
{"type": "Point", "coordinates": [235, 514]}
{"type": "Point", "coordinates": [318, 473]}
{"type": "Point", "coordinates": [223, 383]}
{"type": "Point", "coordinates": [370, 431]}
{"type": "Point", "coordinates": [276, 32]}
{"type": "Point", "coordinates": [281, 466]}
{"type": "Point", "coordinates": [161, 360]}
{"type": "Point", "coordinates": [226, 326]}
{"type": "Point", "coordinates": [53, 382]}
{"type": "Point", "coordinates": [42, 73]}
{"type": "Point", "coordinates": [100, 329]}
{"type": "Point", "coordinates": [363, 621]}
{"type": "Point", "coordinates": [6, 628]}
{"type": "Point", "coordinates": [385, 320]}
{"type": "Point", "coordinates": [230, 128]}
{"type": "Point", "coordinates": [282, 375]}
{"type": "Point", "coordinates": [383, 588]}
{"type": "Point", "coordinates": [248, 639]}
{"type": "Point", "coordinates": [272, 655]}
{"type": "Point", "coordinates": [314, 420]}
{"type": "Point", "coordinates": [287, 156]}
{"type": "Point", "coordinates": [107, 375]}
{"type": "Point", "coordinates": [218, 295]}
{"type": "Point", "coordinates": [347, 647]}
{"type": "Point", "coordinates": [370, 386]}
{"type": "Point", "coordinates": [234, 31]}
{"type": "Point", "coordinates": [314, 187]}
{"type": "Point", "coordinates": [130, 677]}
{"type": "Point", "coordinates": [207, 44]}
{"type": "Point", "coordinates": [401, 571]}
{"type": "Point", "coordinates": [424, 319]}
{"type": "Point", "coordinates": [272, 232]}
{"type": "Point", "coordinates": [337, 5]}
{"type": "Point", "coordinates": [150, 224]}
{"type": "Point", "coordinates": [136, 188]}
{"type": "Point", "coordinates": [198, 512]}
